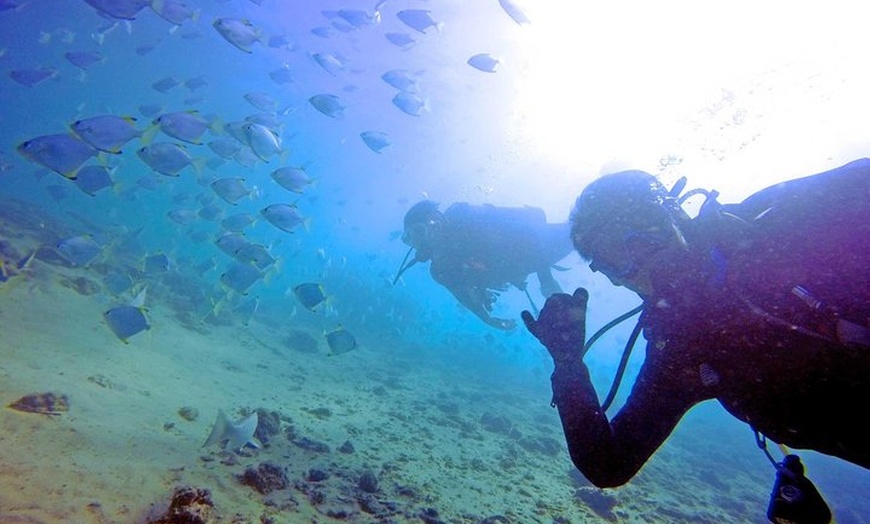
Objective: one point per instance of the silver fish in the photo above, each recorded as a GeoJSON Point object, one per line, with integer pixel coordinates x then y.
{"type": "Point", "coordinates": [79, 250]}
{"type": "Point", "coordinates": [174, 11]}
{"type": "Point", "coordinates": [231, 189]}
{"type": "Point", "coordinates": [375, 140]}
{"type": "Point", "coordinates": [409, 103]}
{"type": "Point", "coordinates": [294, 179]}
{"type": "Point", "coordinates": [281, 75]}
{"type": "Point", "coordinates": [484, 62]}
{"type": "Point", "coordinates": [401, 79]}
{"type": "Point", "coordinates": [329, 105]}
{"type": "Point", "coordinates": [196, 82]}
{"type": "Point", "coordinates": [263, 141]}
{"type": "Point", "coordinates": [84, 59]}
{"type": "Point", "coordinates": [256, 254]}
{"type": "Point", "coordinates": [261, 101]}
{"type": "Point", "coordinates": [225, 147]}
{"type": "Point", "coordinates": [186, 126]}
{"type": "Point", "coordinates": [359, 18]}
{"type": "Point", "coordinates": [419, 19]}
{"type": "Point", "coordinates": [240, 277]}
{"type": "Point", "coordinates": [285, 217]}
{"type": "Point", "coordinates": [126, 321]}
{"type": "Point", "coordinates": [165, 84]}
{"type": "Point", "coordinates": [402, 40]}
{"type": "Point", "coordinates": [107, 133]}
{"type": "Point", "coordinates": [63, 153]}
{"type": "Point", "coordinates": [167, 158]}
{"type": "Point", "coordinates": [92, 179]}
{"type": "Point", "coordinates": [156, 264]}
{"type": "Point", "coordinates": [514, 11]}
{"type": "Point", "coordinates": [32, 77]}
{"type": "Point", "coordinates": [240, 33]}
{"type": "Point", "coordinates": [231, 243]}
{"type": "Point", "coordinates": [182, 217]}
{"type": "Point", "coordinates": [340, 341]}
{"type": "Point", "coordinates": [120, 9]}
{"type": "Point", "coordinates": [238, 222]}
{"type": "Point", "coordinates": [328, 62]}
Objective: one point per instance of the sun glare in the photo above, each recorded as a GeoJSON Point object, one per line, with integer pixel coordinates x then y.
{"type": "Point", "coordinates": [729, 85]}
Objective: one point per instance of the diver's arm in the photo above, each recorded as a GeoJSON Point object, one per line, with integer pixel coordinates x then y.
{"type": "Point", "coordinates": [479, 302]}
{"type": "Point", "coordinates": [610, 453]}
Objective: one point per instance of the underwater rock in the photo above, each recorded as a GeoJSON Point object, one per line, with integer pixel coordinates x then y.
{"type": "Point", "coordinates": [430, 516]}
{"type": "Point", "coordinates": [81, 285]}
{"type": "Point", "coordinates": [321, 412]}
{"type": "Point", "coordinates": [105, 382]}
{"type": "Point", "coordinates": [599, 502]}
{"type": "Point", "coordinates": [316, 475]}
{"type": "Point", "coordinates": [347, 448]}
{"type": "Point", "coordinates": [189, 506]}
{"type": "Point", "coordinates": [381, 510]}
{"type": "Point", "coordinates": [495, 519]}
{"type": "Point", "coordinates": [42, 403]}
{"type": "Point", "coordinates": [311, 445]}
{"type": "Point", "coordinates": [543, 445]}
{"type": "Point", "coordinates": [496, 423]}
{"type": "Point", "coordinates": [368, 481]}
{"type": "Point", "coordinates": [265, 478]}
{"type": "Point", "coordinates": [269, 425]}
{"type": "Point", "coordinates": [188, 413]}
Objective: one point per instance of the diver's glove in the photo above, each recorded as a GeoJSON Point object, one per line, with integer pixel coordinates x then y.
{"type": "Point", "coordinates": [561, 326]}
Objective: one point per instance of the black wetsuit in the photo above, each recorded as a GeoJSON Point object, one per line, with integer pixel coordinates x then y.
{"type": "Point", "coordinates": [726, 323]}
{"type": "Point", "coordinates": [484, 249]}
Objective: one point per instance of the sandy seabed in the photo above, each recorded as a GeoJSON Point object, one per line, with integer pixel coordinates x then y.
{"type": "Point", "coordinates": [444, 443]}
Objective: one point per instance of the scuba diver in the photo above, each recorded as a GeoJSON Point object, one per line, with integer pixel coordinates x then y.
{"type": "Point", "coordinates": [762, 305]}
{"type": "Point", "coordinates": [478, 250]}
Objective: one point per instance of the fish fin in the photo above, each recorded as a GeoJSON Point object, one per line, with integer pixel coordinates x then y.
{"type": "Point", "coordinates": [148, 134]}
{"type": "Point", "coordinates": [242, 433]}
{"type": "Point", "coordinates": [24, 263]}
{"type": "Point", "coordinates": [215, 307]}
{"type": "Point", "coordinates": [218, 430]}
{"type": "Point", "coordinates": [199, 164]}
{"type": "Point", "coordinates": [139, 301]}
{"type": "Point", "coordinates": [216, 126]}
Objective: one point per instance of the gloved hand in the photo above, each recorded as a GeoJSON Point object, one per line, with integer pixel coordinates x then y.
{"type": "Point", "coordinates": [561, 326]}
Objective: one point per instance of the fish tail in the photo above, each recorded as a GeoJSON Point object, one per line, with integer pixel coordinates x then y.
{"type": "Point", "coordinates": [148, 134]}
{"type": "Point", "coordinates": [217, 126]}
{"type": "Point", "coordinates": [199, 164]}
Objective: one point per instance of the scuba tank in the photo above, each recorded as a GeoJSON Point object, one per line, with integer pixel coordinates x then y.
{"type": "Point", "coordinates": [794, 499]}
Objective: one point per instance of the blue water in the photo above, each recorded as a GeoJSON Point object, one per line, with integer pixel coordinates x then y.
{"type": "Point", "coordinates": [462, 147]}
